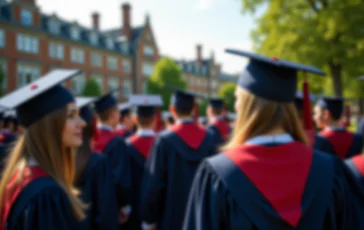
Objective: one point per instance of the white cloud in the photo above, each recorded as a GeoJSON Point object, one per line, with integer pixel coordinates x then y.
{"type": "Point", "coordinates": [203, 4]}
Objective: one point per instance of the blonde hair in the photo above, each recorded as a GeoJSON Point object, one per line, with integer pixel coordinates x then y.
{"type": "Point", "coordinates": [42, 141]}
{"type": "Point", "coordinates": [257, 116]}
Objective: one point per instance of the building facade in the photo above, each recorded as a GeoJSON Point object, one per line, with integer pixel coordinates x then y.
{"type": "Point", "coordinates": [33, 43]}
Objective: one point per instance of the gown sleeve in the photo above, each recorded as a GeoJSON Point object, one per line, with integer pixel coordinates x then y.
{"type": "Point", "coordinates": [107, 208]}
{"type": "Point", "coordinates": [49, 209]}
{"type": "Point", "coordinates": [207, 206]}
{"type": "Point", "coordinates": [154, 183]}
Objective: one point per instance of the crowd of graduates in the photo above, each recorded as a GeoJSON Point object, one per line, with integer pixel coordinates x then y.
{"type": "Point", "coordinates": [90, 163]}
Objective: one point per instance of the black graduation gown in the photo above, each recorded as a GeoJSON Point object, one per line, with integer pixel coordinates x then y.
{"type": "Point", "coordinates": [138, 148]}
{"type": "Point", "coordinates": [170, 168]}
{"type": "Point", "coordinates": [114, 150]}
{"type": "Point", "coordinates": [41, 205]}
{"type": "Point", "coordinates": [360, 128]}
{"type": "Point", "coordinates": [97, 186]}
{"type": "Point", "coordinates": [220, 129]}
{"type": "Point", "coordinates": [341, 143]}
{"type": "Point", "coordinates": [308, 192]}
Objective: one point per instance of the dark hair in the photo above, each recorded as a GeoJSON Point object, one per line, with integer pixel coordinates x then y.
{"type": "Point", "coordinates": [104, 116]}
{"type": "Point", "coordinates": [184, 111]}
{"type": "Point", "coordinates": [124, 114]}
{"type": "Point", "coordinates": [217, 111]}
{"type": "Point", "coordinates": [145, 120]}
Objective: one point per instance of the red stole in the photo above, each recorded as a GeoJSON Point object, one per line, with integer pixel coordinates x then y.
{"type": "Point", "coordinates": [340, 140]}
{"type": "Point", "coordinates": [223, 127]}
{"type": "Point", "coordinates": [358, 161]}
{"type": "Point", "coordinates": [13, 189]}
{"type": "Point", "coordinates": [142, 144]}
{"type": "Point", "coordinates": [311, 137]}
{"type": "Point", "coordinates": [278, 172]}
{"type": "Point", "coordinates": [121, 132]}
{"type": "Point", "coordinates": [191, 133]}
{"type": "Point", "coordinates": [104, 137]}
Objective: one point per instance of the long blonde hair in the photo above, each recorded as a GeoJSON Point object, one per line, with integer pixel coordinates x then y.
{"type": "Point", "coordinates": [42, 141]}
{"type": "Point", "coordinates": [257, 116]}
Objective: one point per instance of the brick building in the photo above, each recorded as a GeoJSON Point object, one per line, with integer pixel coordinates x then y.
{"type": "Point", "coordinates": [33, 43]}
{"type": "Point", "coordinates": [202, 75]}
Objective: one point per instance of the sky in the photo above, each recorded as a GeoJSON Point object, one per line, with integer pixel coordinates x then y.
{"type": "Point", "coordinates": [178, 26]}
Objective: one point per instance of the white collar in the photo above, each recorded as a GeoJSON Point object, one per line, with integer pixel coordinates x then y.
{"type": "Point", "coordinates": [120, 126]}
{"type": "Point", "coordinates": [267, 139]}
{"type": "Point", "coordinates": [145, 132]}
{"type": "Point", "coordinates": [105, 127]}
{"type": "Point", "coordinates": [32, 162]}
{"type": "Point", "coordinates": [335, 128]}
{"type": "Point", "coordinates": [184, 120]}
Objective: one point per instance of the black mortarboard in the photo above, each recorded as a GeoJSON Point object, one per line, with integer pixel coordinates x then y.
{"type": "Point", "coordinates": [146, 104]}
{"type": "Point", "coordinates": [106, 102]}
{"type": "Point", "coordinates": [271, 78]}
{"type": "Point", "coordinates": [41, 97]}
{"type": "Point", "coordinates": [216, 103]}
{"type": "Point", "coordinates": [124, 108]}
{"type": "Point", "coordinates": [181, 98]}
{"type": "Point", "coordinates": [83, 103]}
{"type": "Point", "coordinates": [335, 105]}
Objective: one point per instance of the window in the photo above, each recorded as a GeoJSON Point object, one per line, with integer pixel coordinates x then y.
{"type": "Point", "coordinates": [110, 43]}
{"type": "Point", "coordinates": [148, 69]}
{"type": "Point", "coordinates": [56, 51]}
{"type": "Point", "coordinates": [204, 71]}
{"type": "Point", "coordinates": [77, 55]}
{"type": "Point", "coordinates": [27, 73]}
{"type": "Point", "coordinates": [54, 26]}
{"type": "Point", "coordinates": [26, 17]}
{"type": "Point", "coordinates": [2, 38]}
{"type": "Point", "coordinates": [94, 38]}
{"type": "Point", "coordinates": [99, 79]}
{"type": "Point", "coordinates": [3, 66]}
{"type": "Point", "coordinates": [148, 50]}
{"type": "Point", "coordinates": [77, 84]}
{"type": "Point", "coordinates": [214, 84]}
{"type": "Point", "coordinates": [96, 60]}
{"type": "Point", "coordinates": [127, 87]}
{"type": "Point", "coordinates": [126, 66]}
{"type": "Point", "coordinates": [27, 44]}
{"type": "Point", "coordinates": [125, 47]}
{"type": "Point", "coordinates": [112, 63]}
{"type": "Point", "coordinates": [75, 33]}
{"type": "Point", "coordinates": [113, 83]}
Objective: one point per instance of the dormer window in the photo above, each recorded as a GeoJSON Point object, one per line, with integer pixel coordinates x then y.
{"type": "Point", "coordinates": [94, 38]}
{"type": "Point", "coordinates": [75, 33]}
{"type": "Point", "coordinates": [110, 43]}
{"type": "Point", "coordinates": [26, 17]}
{"type": "Point", "coordinates": [54, 26]}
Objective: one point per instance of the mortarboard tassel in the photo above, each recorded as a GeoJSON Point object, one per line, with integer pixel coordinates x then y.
{"type": "Point", "coordinates": [306, 111]}
{"type": "Point", "coordinates": [347, 116]}
{"type": "Point", "coordinates": [94, 128]}
{"type": "Point", "coordinates": [158, 122]}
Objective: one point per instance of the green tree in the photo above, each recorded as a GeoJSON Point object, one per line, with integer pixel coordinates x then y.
{"type": "Point", "coordinates": [92, 89]}
{"type": "Point", "coordinates": [326, 34]}
{"type": "Point", "coordinates": [166, 72]}
{"type": "Point", "coordinates": [2, 79]}
{"type": "Point", "coordinates": [226, 92]}
{"type": "Point", "coordinates": [202, 107]}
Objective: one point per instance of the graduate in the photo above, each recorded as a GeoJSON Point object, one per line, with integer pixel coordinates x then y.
{"type": "Point", "coordinates": [334, 138]}
{"type": "Point", "coordinates": [8, 135]}
{"type": "Point", "coordinates": [217, 124]}
{"type": "Point", "coordinates": [267, 177]}
{"type": "Point", "coordinates": [94, 176]}
{"type": "Point", "coordinates": [168, 119]}
{"type": "Point", "coordinates": [138, 148]}
{"type": "Point", "coordinates": [36, 188]}
{"type": "Point", "coordinates": [124, 128]}
{"type": "Point", "coordinates": [171, 166]}
{"type": "Point", "coordinates": [202, 121]}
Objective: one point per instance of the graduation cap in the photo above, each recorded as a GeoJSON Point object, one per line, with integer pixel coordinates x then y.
{"type": "Point", "coordinates": [335, 105]}
{"type": "Point", "coordinates": [83, 103]}
{"type": "Point", "coordinates": [276, 80]}
{"type": "Point", "coordinates": [146, 104]}
{"type": "Point", "coordinates": [106, 102]}
{"type": "Point", "coordinates": [41, 97]}
{"type": "Point", "coordinates": [124, 108]}
{"type": "Point", "coordinates": [216, 103]}
{"type": "Point", "coordinates": [181, 98]}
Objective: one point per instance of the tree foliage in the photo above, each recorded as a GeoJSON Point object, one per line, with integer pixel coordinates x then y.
{"type": "Point", "coordinates": [323, 33]}
{"type": "Point", "coordinates": [202, 107]}
{"type": "Point", "coordinates": [92, 89]}
{"type": "Point", "coordinates": [166, 72]}
{"type": "Point", "coordinates": [226, 92]}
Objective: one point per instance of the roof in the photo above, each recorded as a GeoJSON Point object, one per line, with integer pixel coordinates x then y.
{"type": "Point", "coordinates": [193, 67]}
{"type": "Point", "coordinates": [64, 28]}
{"type": "Point", "coordinates": [228, 77]}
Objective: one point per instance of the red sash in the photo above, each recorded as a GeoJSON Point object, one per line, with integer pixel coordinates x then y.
{"type": "Point", "coordinates": [340, 140]}
{"type": "Point", "coordinates": [14, 188]}
{"type": "Point", "coordinates": [104, 136]}
{"type": "Point", "coordinates": [279, 173]}
{"type": "Point", "coordinates": [223, 128]}
{"type": "Point", "coordinates": [358, 161]}
{"type": "Point", "coordinates": [191, 133]}
{"type": "Point", "coordinates": [142, 144]}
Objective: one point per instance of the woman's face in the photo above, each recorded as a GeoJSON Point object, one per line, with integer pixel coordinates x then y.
{"type": "Point", "coordinates": [72, 132]}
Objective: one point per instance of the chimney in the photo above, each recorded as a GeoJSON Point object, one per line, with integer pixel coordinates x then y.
{"type": "Point", "coordinates": [126, 29]}
{"type": "Point", "coordinates": [199, 54]}
{"type": "Point", "coordinates": [95, 21]}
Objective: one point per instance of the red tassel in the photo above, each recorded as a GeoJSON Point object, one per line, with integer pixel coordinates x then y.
{"type": "Point", "coordinates": [94, 128]}
{"type": "Point", "coordinates": [158, 122]}
{"type": "Point", "coordinates": [347, 116]}
{"type": "Point", "coordinates": [307, 114]}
